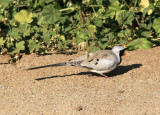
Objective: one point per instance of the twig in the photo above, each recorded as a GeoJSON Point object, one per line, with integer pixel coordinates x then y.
{"type": "Point", "coordinates": [44, 28]}
{"type": "Point", "coordinates": [133, 14]}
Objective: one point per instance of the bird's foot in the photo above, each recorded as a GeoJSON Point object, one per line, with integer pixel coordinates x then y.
{"type": "Point", "coordinates": [105, 76]}
{"type": "Point", "coordinates": [90, 75]}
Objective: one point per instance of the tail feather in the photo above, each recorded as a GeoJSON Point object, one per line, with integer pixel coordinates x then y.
{"type": "Point", "coordinates": [71, 63]}
{"type": "Point", "coordinates": [75, 63]}
{"type": "Point", "coordinates": [51, 65]}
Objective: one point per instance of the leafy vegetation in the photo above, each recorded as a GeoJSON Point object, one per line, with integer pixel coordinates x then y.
{"type": "Point", "coordinates": [141, 43]}
{"type": "Point", "coordinates": [37, 26]}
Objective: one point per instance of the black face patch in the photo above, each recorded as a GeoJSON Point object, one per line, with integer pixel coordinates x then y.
{"type": "Point", "coordinates": [122, 52]}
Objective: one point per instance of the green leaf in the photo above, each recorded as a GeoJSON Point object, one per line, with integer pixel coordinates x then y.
{"type": "Point", "coordinates": [2, 41]}
{"type": "Point", "coordinates": [34, 45]}
{"type": "Point", "coordinates": [146, 10]}
{"type": "Point", "coordinates": [60, 45]}
{"type": "Point", "coordinates": [62, 38]}
{"type": "Point", "coordinates": [50, 15]}
{"type": "Point", "coordinates": [122, 41]}
{"type": "Point", "coordinates": [125, 17]}
{"type": "Point", "coordinates": [81, 34]}
{"type": "Point", "coordinates": [99, 2]}
{"type": "Point", "coordinates": [92, 28]}
{"type": "Point", "coordinates": [9, 43]}
{"type": "Point", "coordinates": [145, 33]}
{"type": "Point", "coordinates": [112, 1]}
{"type": "Point", "coordinates": [114, 10]}
{"type": "Point", "coordinates": [104, 39]}
{"type": "Point", "coordinates": [5, 2]}
{"type": "Point", "coordinates": [16, 51]}
{"type": "Point", "coordinates": [20, 45]}
{"type": "Point", "coordinates": [93, 48]}
{"type": "Point", "coordinates": [98, 22]}
{"type": "Point", "coordinates": [77, 40]}
{"type": "Point", "coordinates": [24, 17]}
{"type": "Point", "coordinates": [46, 37]}
{"type": "Point", "coordinates": [14, 33]}
{"type": "Point", "coordinates": [25, 29]}
{"type": "Point", "coordinates": [102, 45]}
{"type": "Point", "coordinates": [141, 43]}
{"type": "Point", "coordinates": [106, 30]}
{"type": "Point", "coordinates": [114, 7]}
{"type": "Point", "coordinates": [121, 34]}
{"type": "Point", "coordinates": [156, 24]}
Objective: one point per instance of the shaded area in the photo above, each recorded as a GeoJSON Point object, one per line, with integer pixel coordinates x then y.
{"type": "Point", "coordinates": [51, 65]}
{"type": "Point", "coordinates": [66, 53]}
{"type": "Point", "coordinates": [44, 54]}
{"type": "Point", "coordinates": [123, 69]}
{"type": "Point", "coordinates": [118, 71]}
{"type": "Point", "coordinates": [3, 63]}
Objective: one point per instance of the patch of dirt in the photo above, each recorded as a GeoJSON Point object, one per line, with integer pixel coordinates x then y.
{"type": "Point", "coordinates": [132, 88]}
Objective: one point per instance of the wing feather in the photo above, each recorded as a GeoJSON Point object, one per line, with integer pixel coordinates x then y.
{"type": "Point", "coordinates": [100, 60]}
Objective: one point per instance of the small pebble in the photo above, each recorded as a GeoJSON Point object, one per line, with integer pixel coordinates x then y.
{"type": "Point", "coordinates": [1, 86]}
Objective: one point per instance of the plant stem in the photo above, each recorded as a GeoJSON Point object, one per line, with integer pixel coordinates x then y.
{"type": "Point", "coordinates": [66, 9]}
{"type": "Point", "coordinates": [70, 8]}
{"type": "Point", "coordinates": [95, 6]}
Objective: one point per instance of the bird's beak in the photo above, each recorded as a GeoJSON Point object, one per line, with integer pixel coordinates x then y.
{"type": "Point", "coordinates": [125, 54]}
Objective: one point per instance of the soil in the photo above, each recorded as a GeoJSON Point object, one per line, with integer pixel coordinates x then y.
{"type": "Point", "coordinates": [132, 88]}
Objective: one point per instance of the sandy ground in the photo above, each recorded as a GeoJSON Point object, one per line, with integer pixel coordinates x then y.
{"type": "Point", "coordinates": [133, 88]}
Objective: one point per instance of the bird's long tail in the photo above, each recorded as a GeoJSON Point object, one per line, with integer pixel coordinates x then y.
{"type": "Point", "coordinates": [71, 63]}
{"type": "Point", "coordinates": [51, 65]}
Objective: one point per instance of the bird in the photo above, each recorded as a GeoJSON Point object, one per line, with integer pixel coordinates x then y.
{"type": "Point", "coordinates": [101, 62]}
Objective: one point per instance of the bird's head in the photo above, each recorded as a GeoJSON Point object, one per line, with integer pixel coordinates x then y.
{"type": "Point", "coordinates": [119, 50]}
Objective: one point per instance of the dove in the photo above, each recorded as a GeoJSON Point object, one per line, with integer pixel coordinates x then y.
{"type": "Point", "coordinates": [101, 62]}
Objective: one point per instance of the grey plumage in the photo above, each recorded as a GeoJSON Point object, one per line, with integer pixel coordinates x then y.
{"type": "Point", "coordinates": [101, 62]}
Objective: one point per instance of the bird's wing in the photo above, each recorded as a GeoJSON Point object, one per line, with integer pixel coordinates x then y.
{"type": "Point", "coordinates": [101, 60]}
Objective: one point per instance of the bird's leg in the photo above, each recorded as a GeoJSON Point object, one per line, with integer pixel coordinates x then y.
{"type": "Point", "coordinates": [90, 75]}
{"type": "Point", "coordinates": [104, 75]}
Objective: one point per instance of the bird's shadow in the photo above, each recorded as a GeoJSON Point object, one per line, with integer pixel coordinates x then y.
{"type": "Point", "coordinates": [118, 71]}
{"type": "Point", "coordinates": [3, 63]}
